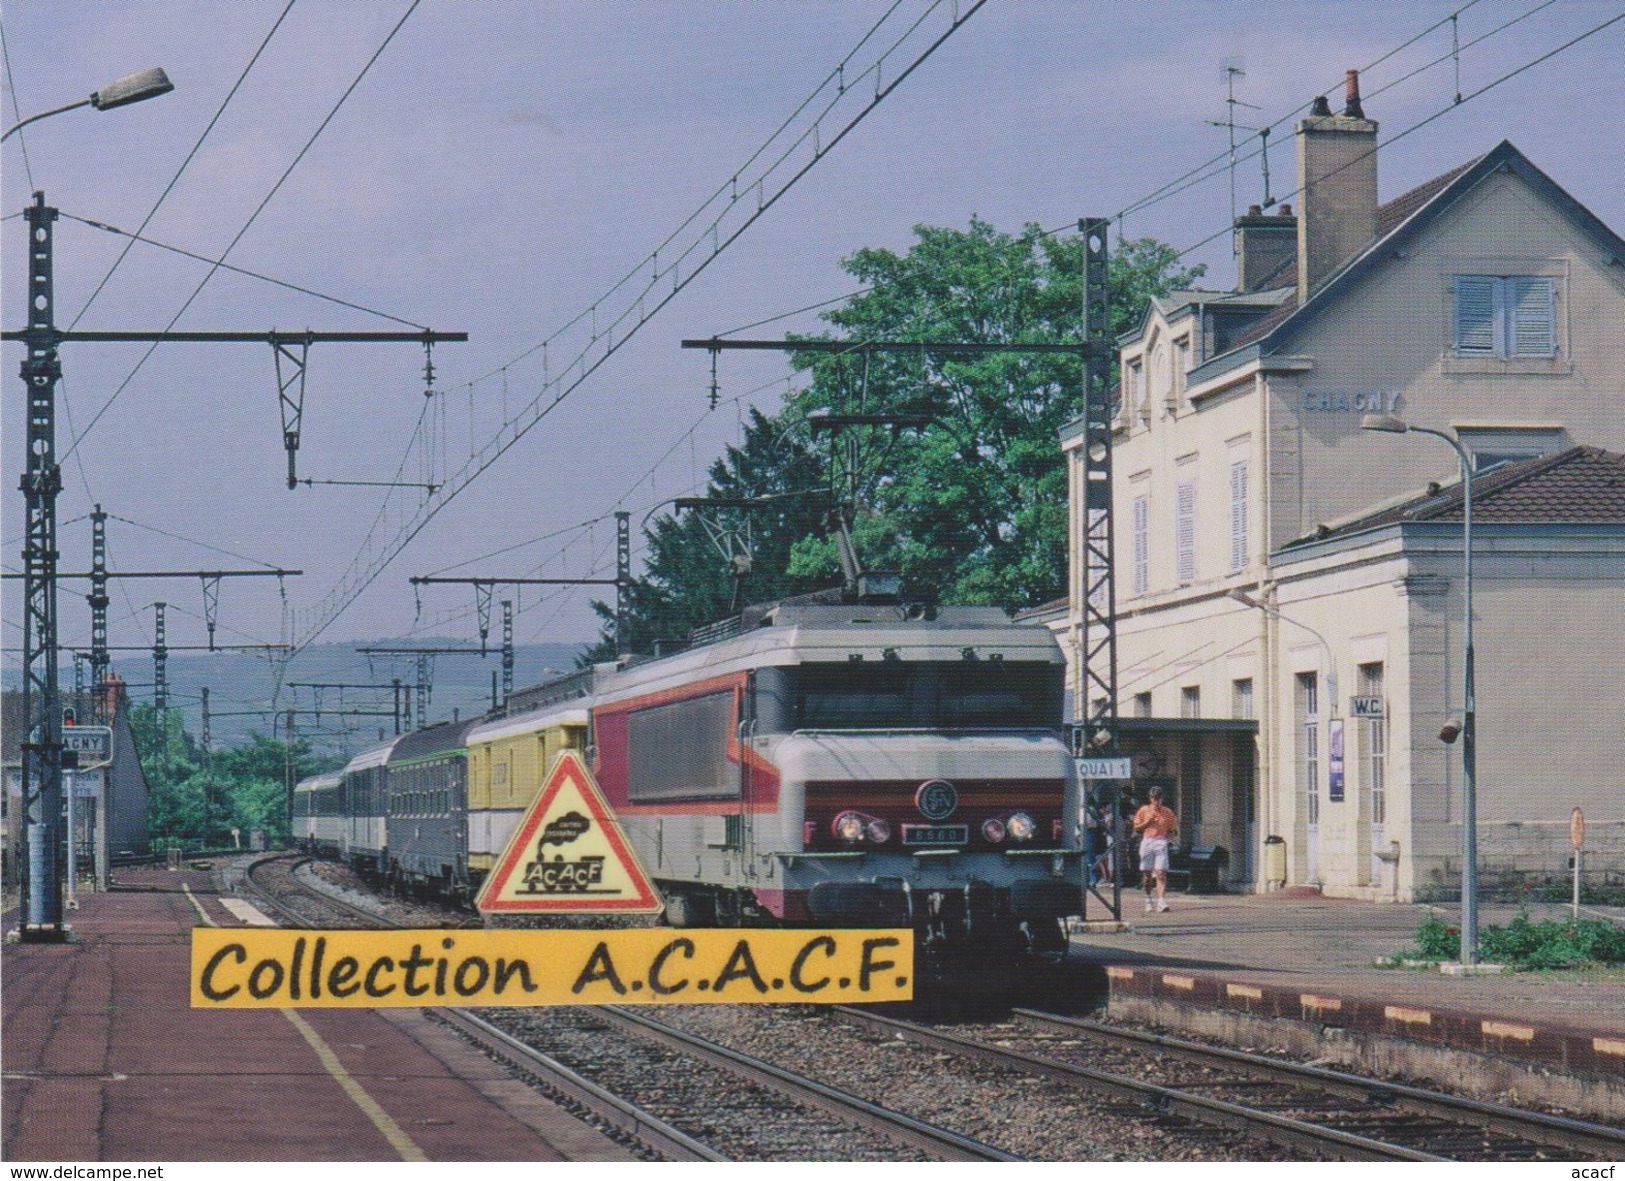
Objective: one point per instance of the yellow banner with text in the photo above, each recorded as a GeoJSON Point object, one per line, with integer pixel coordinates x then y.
{"type": "Point", "coordinates": [259, 968]}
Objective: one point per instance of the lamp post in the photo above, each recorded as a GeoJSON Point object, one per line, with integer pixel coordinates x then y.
{"type": "Point", "coordinates": [132, 88]}
{"type": "Point", "coordinates": [1389, 424]}
{"type": "Point", "coordinates": [40, 913]}
{"type": "Point", "coordinates": [1247, 600]}
{"type": "Point", "coordinates": [1334, 729]}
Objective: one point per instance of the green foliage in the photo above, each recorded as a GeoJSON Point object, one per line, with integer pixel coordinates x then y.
{"type": "Point", "coordinates": [244, 786]}
{"type": "Point", "coordinates": [1525, 943]}
{"type": "Point", "coordinates": [687, 581]}
{"type": "Point", "coordinates": [1436, 940]}
{"type": "Point", "coordinates": [1554, 943]}
{"type": "Point", "coordinates": [972, 506]}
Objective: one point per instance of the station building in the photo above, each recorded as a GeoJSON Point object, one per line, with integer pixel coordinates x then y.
{"type": "Point", "coordinates": [110, 803]}
{"type": "Point", "coordinates": [1305, 719]}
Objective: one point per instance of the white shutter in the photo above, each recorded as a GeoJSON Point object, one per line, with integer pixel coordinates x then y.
{"type": "Point", "coordinates": [1185, 533]}
{"type": "Point", "coordinates": [1142, 544]}
{"type": "Point", "coordinates": [1238, 515]}
{"type": "Point", "coordinates": [1475, 314]}
{"type": "Point", "coordinates": [1533, 330]}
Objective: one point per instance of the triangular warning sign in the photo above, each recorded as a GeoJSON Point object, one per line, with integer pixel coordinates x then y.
{"type": "Point", "coordinates": [568, 855]}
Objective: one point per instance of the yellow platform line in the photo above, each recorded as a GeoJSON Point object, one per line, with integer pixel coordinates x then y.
{"type": "Point", "coordinates": [202, 914]}
{"type": "Point", "coordinates": [381, 1119]}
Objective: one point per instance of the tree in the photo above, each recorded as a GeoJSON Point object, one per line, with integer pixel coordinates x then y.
{"type": "Point", "coordinates": [688, 581]}
{"type": "Point", "coordinates": [973, 506]}
{"type": "Point", "coordinates": [245, 786]}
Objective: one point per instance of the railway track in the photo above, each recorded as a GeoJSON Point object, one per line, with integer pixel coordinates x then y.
{"type": "Point", "coordinates": [1511, 1127]}
{"type": "Point", "coordinates": [938, 1143]}
{"type": "Point", "coordinates": [704, 1091]}
{"type": "Point", "coordinates": [276, 882]}
{"type": "Point", "coordinates": [1321, 1113]}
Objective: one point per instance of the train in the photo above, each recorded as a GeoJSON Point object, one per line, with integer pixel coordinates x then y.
{"type": "Point", "coordinates": [808, 762]}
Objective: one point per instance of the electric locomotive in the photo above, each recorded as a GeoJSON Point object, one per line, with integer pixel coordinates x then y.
{"type": "Point", "coordinates": [850, 764]}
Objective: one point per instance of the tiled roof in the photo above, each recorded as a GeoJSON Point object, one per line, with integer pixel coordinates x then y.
{"type": "Point", "coordinates": [1261, 328]}
{"type": "Point", "coordinates": [1396, 212]}
{"type": "Point", "coordinates": [1390, 216]}
{"type": "Point", "coordinates": [1583, 485]}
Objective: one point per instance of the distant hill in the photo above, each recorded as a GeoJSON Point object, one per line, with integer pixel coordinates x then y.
{"type": "Point", "coordinates": [240, 686]}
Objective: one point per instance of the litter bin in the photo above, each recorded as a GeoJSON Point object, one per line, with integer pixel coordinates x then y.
{"type": "Point", "coordinates": [1274, 862]}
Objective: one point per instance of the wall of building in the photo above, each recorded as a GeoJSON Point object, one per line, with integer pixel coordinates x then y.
{"type": "Point", "coordinates": [1389, 338]}
{"type": "Point", "coordinates": [1550, 674]}
{"type": "Point", "coordinates": [1384, 344]}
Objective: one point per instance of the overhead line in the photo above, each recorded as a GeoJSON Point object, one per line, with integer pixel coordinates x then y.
{"type": "Point", "coordinates": [343, 98]}
{"type": "Point", "coordinates": [1417, 126]}
{"type": "Point", "coordinates": [174, 180]}
{"type": "Point", "coordinates": [225, 266]}
{"type": "Point", "coordinates": [1253, 155]}
{"type": "Point", "coordinates": [364, 574]}
{"type": "Point", "coordinates": [17, 114]}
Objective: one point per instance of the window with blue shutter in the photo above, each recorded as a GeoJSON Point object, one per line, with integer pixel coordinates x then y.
{"type": "Point", "coordinates": [1533, 321]}
{"type": "Point", "coordinates": [1505, 316]}
{"type": "Point", "coordinates": [1475, 315]}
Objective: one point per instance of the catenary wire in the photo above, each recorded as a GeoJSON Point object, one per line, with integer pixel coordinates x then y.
{"type": "Point", "coordinates": [190, 156]}
{"type": "Point", "coordinates": [225, 266]}
{"type": "Point", "coordinates": [1421, 123]}
{"type": "Point", "coordinates": [11, 89]}
{"type": "Point", "coordinates": [252, 218]}
{"type": "Point", "coordinates": [365, 570]}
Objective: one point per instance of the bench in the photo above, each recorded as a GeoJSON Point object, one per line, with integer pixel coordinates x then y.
{"type": "Point", "coordinates": [1199, 866]}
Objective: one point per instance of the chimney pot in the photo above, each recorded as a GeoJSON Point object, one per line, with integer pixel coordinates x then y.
{"type": "Point", "coordinates": [1286, 211]}
{"type": "Point", "coordinates": [1254, 210]}
{"type": "Point", "coordinates": [1320, 108]}
{"type": "Point", "coordinates": [1351, 95]}
{"type": "Point", "coordinates": [1337, 188]}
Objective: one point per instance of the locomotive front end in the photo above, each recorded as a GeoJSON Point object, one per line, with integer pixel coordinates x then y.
{"type": "Point", "coordinates": [961, 836]}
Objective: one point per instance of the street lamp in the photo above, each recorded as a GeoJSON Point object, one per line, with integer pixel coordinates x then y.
{"type": "Point", "coordinates": [132, 88]}
{"type": "Point", "coordinates": [40, 914]}
{"type": "Point", "coordinates": [1247, 600]}
{"type": "Point", "coordinates": [1389, 424]}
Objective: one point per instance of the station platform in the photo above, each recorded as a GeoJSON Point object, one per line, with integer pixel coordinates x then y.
{"type": "Point", "coordinates": [104, 1060]}
{"type": "Point", "coordinates": [1298, 969]}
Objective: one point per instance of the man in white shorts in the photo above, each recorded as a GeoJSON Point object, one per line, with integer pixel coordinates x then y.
{"type": "Point", "coordinates": [1156, 825]}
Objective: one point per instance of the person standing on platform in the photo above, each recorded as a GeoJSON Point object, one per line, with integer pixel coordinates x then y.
{"type": "Point", "coordinates": [1094, 840]}
{"type": "Point", "coordinates": [1156, 825]}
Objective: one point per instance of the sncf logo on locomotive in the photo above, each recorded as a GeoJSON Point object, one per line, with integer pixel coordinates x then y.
{"type": "Point", "coordinates": [936, 799]}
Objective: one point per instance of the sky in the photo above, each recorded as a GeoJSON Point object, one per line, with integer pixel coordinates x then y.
{"type": "Point", "coordinates": [500, 167]}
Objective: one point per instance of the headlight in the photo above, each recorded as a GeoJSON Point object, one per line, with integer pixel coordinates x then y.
{"type": "Point", "coordinates": [848, 827]}
{"type": "Point", "coordinates": [1021, 827]}
{"type": "Point", "coordinates": [993, 830]}
{"type": "Point", "coordinates": [877, 831]}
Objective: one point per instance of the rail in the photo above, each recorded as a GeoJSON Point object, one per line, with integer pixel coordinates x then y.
{"type": "Point", "coordinates": [1329, 1143]}
{"type": "Point", "coordinates": [939, 1142]}
{"type": "Point", "coordinates": [1557, 1131]}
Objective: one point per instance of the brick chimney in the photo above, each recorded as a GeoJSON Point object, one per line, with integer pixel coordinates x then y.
{"type": "Point", "coordinates": [1266, 244]}
{"type": "Point", "coordinates": [1337, 187]}
{"type": "Point", "coordinates": [112, 698]}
